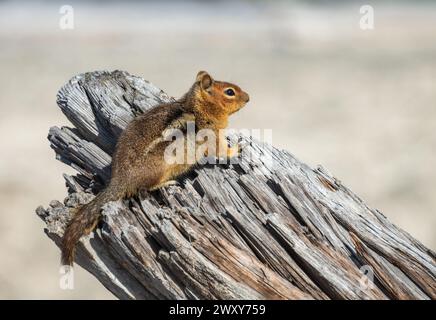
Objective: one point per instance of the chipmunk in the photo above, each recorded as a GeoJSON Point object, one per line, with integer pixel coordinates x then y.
{"type": "Point", "coordinates": [138, 161]}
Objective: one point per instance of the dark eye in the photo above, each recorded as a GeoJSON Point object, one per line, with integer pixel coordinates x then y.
{"type": "Point", "coordinates": [230, 92]}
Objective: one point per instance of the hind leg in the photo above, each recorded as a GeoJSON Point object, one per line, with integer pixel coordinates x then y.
{"type": "Point", "coordinates": [164, 184]}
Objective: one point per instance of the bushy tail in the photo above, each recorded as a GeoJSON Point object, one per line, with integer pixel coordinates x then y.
{"type": "Point", "coordinates": [83, 222]}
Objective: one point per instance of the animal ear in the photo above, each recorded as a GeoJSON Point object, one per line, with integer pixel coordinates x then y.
{"type": "Point", "coordinates": [204, 79]}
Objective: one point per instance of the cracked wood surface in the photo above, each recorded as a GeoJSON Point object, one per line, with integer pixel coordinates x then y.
{"type": "Point", "coordinates": [267, 227]}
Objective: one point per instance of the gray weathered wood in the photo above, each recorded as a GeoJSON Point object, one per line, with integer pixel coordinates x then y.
{"type": "Point", "coordinates": [251, 230]}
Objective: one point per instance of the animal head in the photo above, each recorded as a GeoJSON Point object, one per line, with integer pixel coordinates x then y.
{"type": "Point", "coordinates": [224, 96]}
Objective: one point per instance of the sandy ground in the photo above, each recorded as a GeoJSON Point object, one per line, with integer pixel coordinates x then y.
{"type": "Point", "coordinates": [361, 103]}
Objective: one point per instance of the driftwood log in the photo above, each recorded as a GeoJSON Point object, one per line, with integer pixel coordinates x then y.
{"type": "Point", "coordinates": [252, 230]}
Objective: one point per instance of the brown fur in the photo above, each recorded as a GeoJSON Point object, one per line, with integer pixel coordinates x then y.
{"type": "Point", "coordinates": [138, 161]}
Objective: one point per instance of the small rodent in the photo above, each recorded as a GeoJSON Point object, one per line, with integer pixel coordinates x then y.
{"type": "Point", "coordinates": [138, 161]}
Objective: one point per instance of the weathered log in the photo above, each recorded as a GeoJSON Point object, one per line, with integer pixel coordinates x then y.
{"type": "Point", "coordinates": [256, 229]}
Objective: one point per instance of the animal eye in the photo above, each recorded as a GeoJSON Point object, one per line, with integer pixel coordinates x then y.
{"type": "Point", "coordinates": [230, 92]}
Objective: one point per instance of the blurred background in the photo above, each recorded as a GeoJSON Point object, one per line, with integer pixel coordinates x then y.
{"type": "Point", "coordinates": [360, 102]}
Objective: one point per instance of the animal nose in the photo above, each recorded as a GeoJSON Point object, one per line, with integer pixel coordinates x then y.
{"type": "Point", "coordinates": [247, 97]}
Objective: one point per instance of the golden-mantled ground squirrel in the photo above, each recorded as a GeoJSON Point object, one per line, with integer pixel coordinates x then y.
{"type": "Point", "coordinates": [138, 161]}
